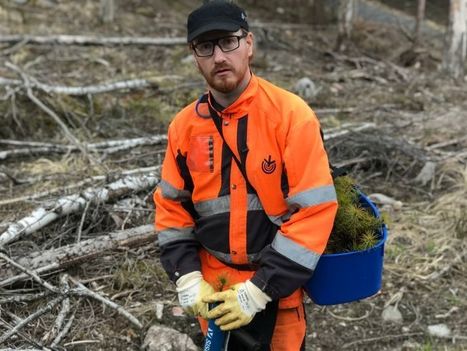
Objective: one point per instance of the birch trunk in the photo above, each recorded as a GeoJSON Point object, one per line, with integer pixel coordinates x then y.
{"type": "Point", "coordinates": [455, 50]}
{"type": "Point", "coordinates": [345, 17]}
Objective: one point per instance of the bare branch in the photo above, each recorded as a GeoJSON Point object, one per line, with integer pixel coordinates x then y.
{"type": "Point", "coordinates": [30, 273]}
{"type": "Point", "coordinates": [83, 291]}
{"type": "Point", "coordinates": [47, 308]}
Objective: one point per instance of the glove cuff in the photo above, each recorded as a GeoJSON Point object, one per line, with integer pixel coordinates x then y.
{"type": "Point", "coordinates": [188, 280]}
{"type": "Point", "coordinates": [259, 299]}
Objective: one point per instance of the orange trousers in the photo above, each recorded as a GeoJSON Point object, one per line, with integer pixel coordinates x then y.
{"type": "Point", "coordinates": [289, 332]}
{"type": "Point", "coordinates": [290, 329]}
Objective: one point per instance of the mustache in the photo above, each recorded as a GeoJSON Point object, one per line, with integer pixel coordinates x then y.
{"type": "Point", "coordinates": [220, 68]}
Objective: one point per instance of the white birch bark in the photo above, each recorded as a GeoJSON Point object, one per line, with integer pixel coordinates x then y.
{"type": "Point", "coordinates": [89, 40]}
{"type": "Point", "coordinates": [456, 41]}
{"type": "Point", "coordinates": [345, 18]}
{"type": "Point", "coordinates": [42, 216]}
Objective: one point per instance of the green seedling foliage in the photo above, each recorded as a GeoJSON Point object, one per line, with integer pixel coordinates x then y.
{"type": "Point", "coordinates": [355, 228]}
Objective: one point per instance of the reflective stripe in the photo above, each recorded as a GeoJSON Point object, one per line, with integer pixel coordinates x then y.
{"type": "Point", "coordinates": [213, 207]}
{"type": "Point", "coordinates": [227, 258]}
{"type": "Point", "coordinates": [172, 193]}
{"type": "Point", "coordinates": [312, 197]}
{"type": "Point", "coordinates": [279, 220]}
{"type": "Point", "coordinates": [170, 235]}
{"type": "Point", "coordinates": [295, 252]}
{"type": "Point", "coordinates": [222, 205]}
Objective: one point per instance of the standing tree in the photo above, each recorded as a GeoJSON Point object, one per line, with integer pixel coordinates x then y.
{"type": "Point", "coordinates": [345, 17]}
{"type": "Point", "coordinates": [418, 24]}
{"type": "Point", "coordinates": [107, 10]}
{"type": "Point", "coordinates": [456, 46]}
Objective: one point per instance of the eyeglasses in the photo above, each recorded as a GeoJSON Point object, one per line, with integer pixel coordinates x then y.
{"type": "Point", "coordinates": [226, 44]}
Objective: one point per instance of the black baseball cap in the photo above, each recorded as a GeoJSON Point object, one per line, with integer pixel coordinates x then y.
{"type": "Point", "coordinates": [215, 15]}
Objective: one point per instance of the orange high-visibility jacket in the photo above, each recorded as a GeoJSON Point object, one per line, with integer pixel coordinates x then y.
{"type": "Point", "coordinates": [276, 222]}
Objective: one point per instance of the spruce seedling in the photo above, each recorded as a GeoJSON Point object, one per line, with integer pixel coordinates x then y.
{"type": "Point", "coordinates": [355, 228]}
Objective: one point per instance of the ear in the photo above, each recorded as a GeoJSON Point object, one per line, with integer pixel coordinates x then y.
{"type": "Point", "coordinates": [249, 39]}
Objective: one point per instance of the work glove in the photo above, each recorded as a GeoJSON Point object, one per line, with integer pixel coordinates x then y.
{"type": "Point", "coordinates": [191, 289]}
{"type": "Point", "coordinates": [238, 305]}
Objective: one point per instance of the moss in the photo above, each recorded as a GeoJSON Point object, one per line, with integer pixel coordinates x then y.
{"type": "Point", "coordinates": [140, 274]}
{"type": "Point", "coordinates": [355, 228]}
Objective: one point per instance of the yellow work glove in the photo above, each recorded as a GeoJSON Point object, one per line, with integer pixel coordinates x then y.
{"type": "Point", "coordinates": [191, 289]}
{"type": "Point", "coordinates": [238, 305]}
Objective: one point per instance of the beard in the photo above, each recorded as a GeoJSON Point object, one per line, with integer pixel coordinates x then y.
{"type": "Point", "coordinates": [223, 83]}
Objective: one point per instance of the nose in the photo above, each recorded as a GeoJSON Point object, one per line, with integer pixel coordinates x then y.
{"type": "Point", "coordinates": [218, 54]}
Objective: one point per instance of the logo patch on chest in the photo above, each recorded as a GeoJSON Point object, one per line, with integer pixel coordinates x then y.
{"type": "Point", "coordinates": [268, 166]}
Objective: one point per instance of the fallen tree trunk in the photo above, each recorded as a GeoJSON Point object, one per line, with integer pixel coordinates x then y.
{"type": "Point", "coordinates": [42, 216]}
{"type": "Point", "coordinates": [57, 259]}
{"type": "Point", "coordinates": [90, 40]}
{"type": "Point", "coordinates": [108, 147]}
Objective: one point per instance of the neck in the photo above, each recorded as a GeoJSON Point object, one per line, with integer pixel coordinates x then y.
{"type": "Point", "coordinates": [226, 99]}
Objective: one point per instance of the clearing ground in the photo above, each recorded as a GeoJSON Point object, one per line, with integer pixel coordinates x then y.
{"type": "Point", "coordinates": [415, 118]}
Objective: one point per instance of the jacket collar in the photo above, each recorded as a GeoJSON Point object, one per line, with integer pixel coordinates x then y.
{"type": "Point", "coordinates": [239, 107]}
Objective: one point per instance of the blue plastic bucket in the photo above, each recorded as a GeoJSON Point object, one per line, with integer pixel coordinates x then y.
{"type": "Point", "coordinates": [350, 276]}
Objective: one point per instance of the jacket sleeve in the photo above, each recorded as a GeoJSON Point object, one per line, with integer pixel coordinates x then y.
{"type": "Point", "coordinates": [288, 263]}
{"type": "Point", "coordinates": [174, 220]}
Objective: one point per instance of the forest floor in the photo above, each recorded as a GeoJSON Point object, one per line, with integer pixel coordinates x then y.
{"type": "Point", "coordinates": [414, 151]}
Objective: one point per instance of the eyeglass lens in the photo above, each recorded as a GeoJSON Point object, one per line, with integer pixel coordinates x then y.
{"type": "Point", "coordinates": [226, 44]}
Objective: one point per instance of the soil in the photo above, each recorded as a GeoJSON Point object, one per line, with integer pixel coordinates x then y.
{"type": "Point", "coordinates": [412, 103]}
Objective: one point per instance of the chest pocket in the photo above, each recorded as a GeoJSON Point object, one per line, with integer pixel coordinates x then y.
{"type": "Point", "coordinates": [200, 156]}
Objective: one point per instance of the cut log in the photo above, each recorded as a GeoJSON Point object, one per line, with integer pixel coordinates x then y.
{"type": "Point", "coordinates": [70, 255]}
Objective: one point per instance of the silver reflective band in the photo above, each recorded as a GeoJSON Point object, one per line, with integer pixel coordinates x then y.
{"type": "Point", "coordinates": [279, 220]}
{"type": "Point", "coordinates": [170, 235]}
{"type": "Point", "coordinates": [222, 205]}
{"type": "Point", "coordinates": [294, 251]}
{"type": "Point", "coordinates": [172, 193]}
{"type": "Point", "coordinates": [312, 197]}
{"type": "Point", "coordinates": [227, 258]}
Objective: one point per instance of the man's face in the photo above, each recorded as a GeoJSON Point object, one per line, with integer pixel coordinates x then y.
{"type": "Point", "coordinates": [224, 71]}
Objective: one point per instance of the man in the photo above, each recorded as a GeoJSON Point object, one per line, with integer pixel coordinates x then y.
{"type": "Point", "coordinates": [246, 201]}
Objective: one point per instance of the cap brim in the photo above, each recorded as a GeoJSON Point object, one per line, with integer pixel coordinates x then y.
{"type": "Point", "coordinates": [229, 27]}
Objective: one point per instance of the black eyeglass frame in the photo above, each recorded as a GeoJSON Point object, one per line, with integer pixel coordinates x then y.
{"type": "Point", "coordinates": [216, 42]}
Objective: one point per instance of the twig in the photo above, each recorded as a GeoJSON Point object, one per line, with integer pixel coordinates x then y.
{"type": "Point", "coordinates": [63, 332]}
{"type": "Point", "coordinates": [90, 40]}
{"type": "Point", "coordinates": [81, 222]}
{"type": "Point", "coordinates": [446, 143]}
{"type": "Point", "coordinates": [352, 319]}
{"type": "Point", "coordinates": [48, 307]}
{"type": "Point", "coordinates": [23, 298]}
{"type": "Point", "coordinates": [32, 274]}
{"type": "Point", "coordinates": [83, 291]}
{"type": "Point", "coordinates": [52, 333]}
